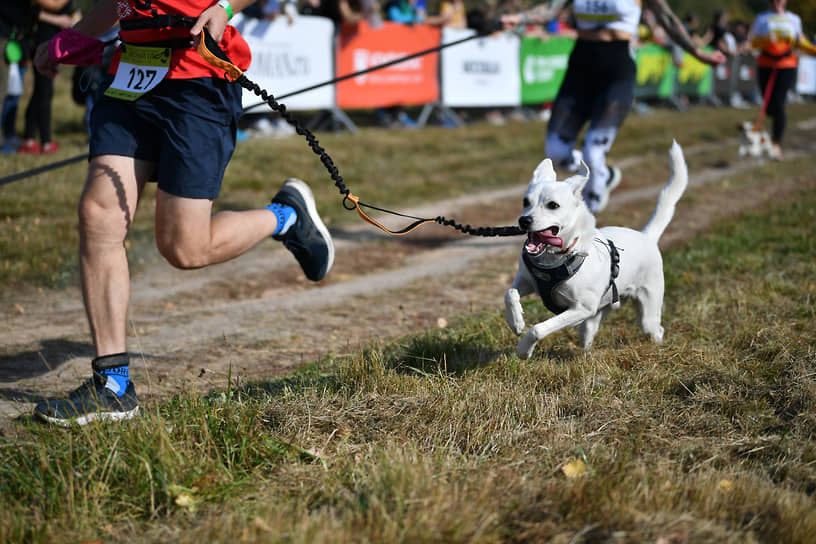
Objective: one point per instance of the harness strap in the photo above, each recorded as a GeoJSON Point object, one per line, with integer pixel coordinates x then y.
{"type": "Point", "coordinates": [766, 99]}
{"type": "Point", "coordinates": [158, 21]}
{"type": "Point", "coordinates": [614, 270]}
{"type": "Point", "coordinates": [171, 43]}
{"type": "Point", "coordinates": [548, 278]}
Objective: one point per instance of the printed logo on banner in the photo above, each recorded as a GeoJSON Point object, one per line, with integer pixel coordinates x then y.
{"type": "Point", "coordinates": [481, 67]}
{"type": "Point", "coordinates": [411, 82]}
{"type": "Point", "coordinates": [538, 69]}
{"type": "Point", "coordinates": [287, 58]}
{"type": "Point", "coordinates": [281, 64]}
{"type": "Point", "coordinates": [396, 73]}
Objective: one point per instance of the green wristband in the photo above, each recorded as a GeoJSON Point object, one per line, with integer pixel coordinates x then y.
{"type": "Point", "coordinates": [228, 7]}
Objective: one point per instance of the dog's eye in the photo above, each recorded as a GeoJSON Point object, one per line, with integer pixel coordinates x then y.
{"type": "Point", "coordinates": [525, 202]}
{"type": "Point", "coordinates": [553, 205]}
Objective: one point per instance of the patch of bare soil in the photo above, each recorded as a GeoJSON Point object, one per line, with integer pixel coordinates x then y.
{"type": "Point", "coordinates": [256, 317]}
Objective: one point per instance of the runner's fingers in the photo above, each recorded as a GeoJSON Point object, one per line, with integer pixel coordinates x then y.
{"type": "Point", "coordinates": [214, 19]}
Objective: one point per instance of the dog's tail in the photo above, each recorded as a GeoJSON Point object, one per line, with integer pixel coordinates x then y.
{"type": "Point", "coordinates": [671, 193]}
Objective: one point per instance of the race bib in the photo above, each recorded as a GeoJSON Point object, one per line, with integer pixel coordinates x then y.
{"type": "Point", "coordinates": [140, 70]}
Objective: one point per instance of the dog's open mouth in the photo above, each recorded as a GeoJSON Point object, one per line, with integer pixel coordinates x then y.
{"type": "Point", "coordinates": [540, 240]}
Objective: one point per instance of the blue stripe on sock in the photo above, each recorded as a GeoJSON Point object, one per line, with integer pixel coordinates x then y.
{"type": "Point", "coordinates": [119, 374]}
{"type": "Point", "coordinates": [286, 217]}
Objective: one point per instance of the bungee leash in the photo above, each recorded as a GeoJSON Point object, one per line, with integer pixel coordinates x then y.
{"type": "Point", "coordinates": [210, 51]}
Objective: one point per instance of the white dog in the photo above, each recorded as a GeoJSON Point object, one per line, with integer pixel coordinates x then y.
{"type": "Point", "coordinates": [753, 141]}
{"type": "Point", "coordinates": [579, 271]}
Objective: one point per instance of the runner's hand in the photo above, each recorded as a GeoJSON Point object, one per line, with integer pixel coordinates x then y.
{"type": "Point", "coordinates": [214, 19]}
{"type": "Point", "coordinates": [511, 20]}
{"type": "Point", "coordinates": [710, 57]}
{"type": "Point", "coordinates": [43, 62]}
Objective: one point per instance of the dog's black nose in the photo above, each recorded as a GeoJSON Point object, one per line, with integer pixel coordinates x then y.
{"type": "Point", "coordinates": [525, 221]}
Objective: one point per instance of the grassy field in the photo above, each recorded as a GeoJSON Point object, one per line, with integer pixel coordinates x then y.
{"type": "Point", "coordinates": [446, 436]}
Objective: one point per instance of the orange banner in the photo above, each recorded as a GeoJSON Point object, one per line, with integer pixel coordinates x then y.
{"type": "Point", "coordinates": [409, 83]}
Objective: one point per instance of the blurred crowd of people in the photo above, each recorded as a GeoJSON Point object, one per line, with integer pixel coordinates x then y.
{"type": "Point", "coordinates": [24, 23]}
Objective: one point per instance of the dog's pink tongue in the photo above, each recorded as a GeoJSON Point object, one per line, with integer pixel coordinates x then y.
{"type": "Point", "coordinates": [544, 237]}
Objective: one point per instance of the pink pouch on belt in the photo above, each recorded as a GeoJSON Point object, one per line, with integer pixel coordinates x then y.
{"type": "Point", "coordinates": [72, 47]}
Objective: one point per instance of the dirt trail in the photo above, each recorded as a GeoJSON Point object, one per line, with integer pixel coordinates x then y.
{"type": "Point", "coordinates": [257, 317]}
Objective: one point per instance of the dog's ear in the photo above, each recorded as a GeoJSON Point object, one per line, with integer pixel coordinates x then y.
{"type": "Point", "coordinates": [578, 181]}
{"type": "Point", "coordinates": [544, 171]}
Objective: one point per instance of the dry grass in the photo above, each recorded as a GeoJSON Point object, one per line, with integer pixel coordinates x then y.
{"type": "Point", "coordinates": [448, 437]}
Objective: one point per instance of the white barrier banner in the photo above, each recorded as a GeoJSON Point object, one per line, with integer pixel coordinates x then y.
{"type": "Point", "coordinates": [287, 58]}
{"type": "Point", "coordinates": [806, 76]}
{"type": "Point", "coordinates": [480, 73]}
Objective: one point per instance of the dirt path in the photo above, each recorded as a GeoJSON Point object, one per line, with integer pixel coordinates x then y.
{"type": "Point", "coordinates": [256, 317]}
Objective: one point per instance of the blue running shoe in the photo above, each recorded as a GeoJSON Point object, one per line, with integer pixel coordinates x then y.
{"type": "Point", "coordinates": [308, 239]}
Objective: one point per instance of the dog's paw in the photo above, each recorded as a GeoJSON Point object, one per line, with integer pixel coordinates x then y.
{"type": "Point", "coordinates": [526, 347]}
{"type": "Point", "coordinates": [514, 312]}
{"type": "Point", "coordinates": [517, 328]}
{"type": "Point", "coordinates": [516, 323]}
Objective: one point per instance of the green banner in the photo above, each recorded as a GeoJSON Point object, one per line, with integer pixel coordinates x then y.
{"type": "Point", "coordinates": [694, 78]}
{"type": "Point", "coordinates": [543, 65]}
{"type": "Point", "coordinates": [655, 72]}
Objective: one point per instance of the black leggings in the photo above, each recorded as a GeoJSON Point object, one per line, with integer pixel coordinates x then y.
{"type": "Point", "coordinates": [785, 80]}
{"type": "Point", "coordinates": [38, 111]}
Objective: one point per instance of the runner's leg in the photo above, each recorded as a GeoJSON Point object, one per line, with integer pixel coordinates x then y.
{"type": "Point", "coordinates": [106, 211]}
{"type": "Point", "coordinates": [189, 236]}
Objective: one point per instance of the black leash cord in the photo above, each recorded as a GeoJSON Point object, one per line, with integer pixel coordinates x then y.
{"type": "Point", "coordinates": [41, 169]}
{"type": "Point", "coordinates": [327, 161]}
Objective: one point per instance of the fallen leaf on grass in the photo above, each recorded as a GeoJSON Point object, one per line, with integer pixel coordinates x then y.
{"type": "Point", "coordinates": [725, 485]}
{"type": "Point", "coordinates": [574, 469]}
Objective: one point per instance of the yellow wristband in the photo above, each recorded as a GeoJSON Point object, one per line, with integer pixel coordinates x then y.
{"type": "Point", "coordinates": [228, 7]}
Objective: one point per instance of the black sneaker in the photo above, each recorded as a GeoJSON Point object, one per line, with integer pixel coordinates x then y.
{"type": "Point", "coordinates": [308, 239]}
{"type": "Point", "coordinates": [91, 401]}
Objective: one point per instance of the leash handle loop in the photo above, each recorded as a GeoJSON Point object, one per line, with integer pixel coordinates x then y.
{"type": "Point", "coordinates": [355, 200]}
{"type": "Point", "coordinates": [210, 51]}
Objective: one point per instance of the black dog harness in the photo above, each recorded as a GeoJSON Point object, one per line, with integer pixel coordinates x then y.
{"type": "Point", "coordinates": [548, 278]}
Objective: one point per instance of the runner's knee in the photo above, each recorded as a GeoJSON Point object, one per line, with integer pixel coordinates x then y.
{"type": "Point", "coordinates": [179, 255]}
{"type": "Point", "coordinates": [101, 222]}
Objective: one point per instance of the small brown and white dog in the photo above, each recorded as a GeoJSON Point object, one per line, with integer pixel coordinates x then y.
{"type": "Point", "coordinates": [580, 271]}
{"type": "Point", "coordinates": [754, 142]}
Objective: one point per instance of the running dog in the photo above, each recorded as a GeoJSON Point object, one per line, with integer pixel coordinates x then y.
{"type": "Point", "coordinates": [753, 141]}
{"type": "Point", "coordinates": [580, 271]}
